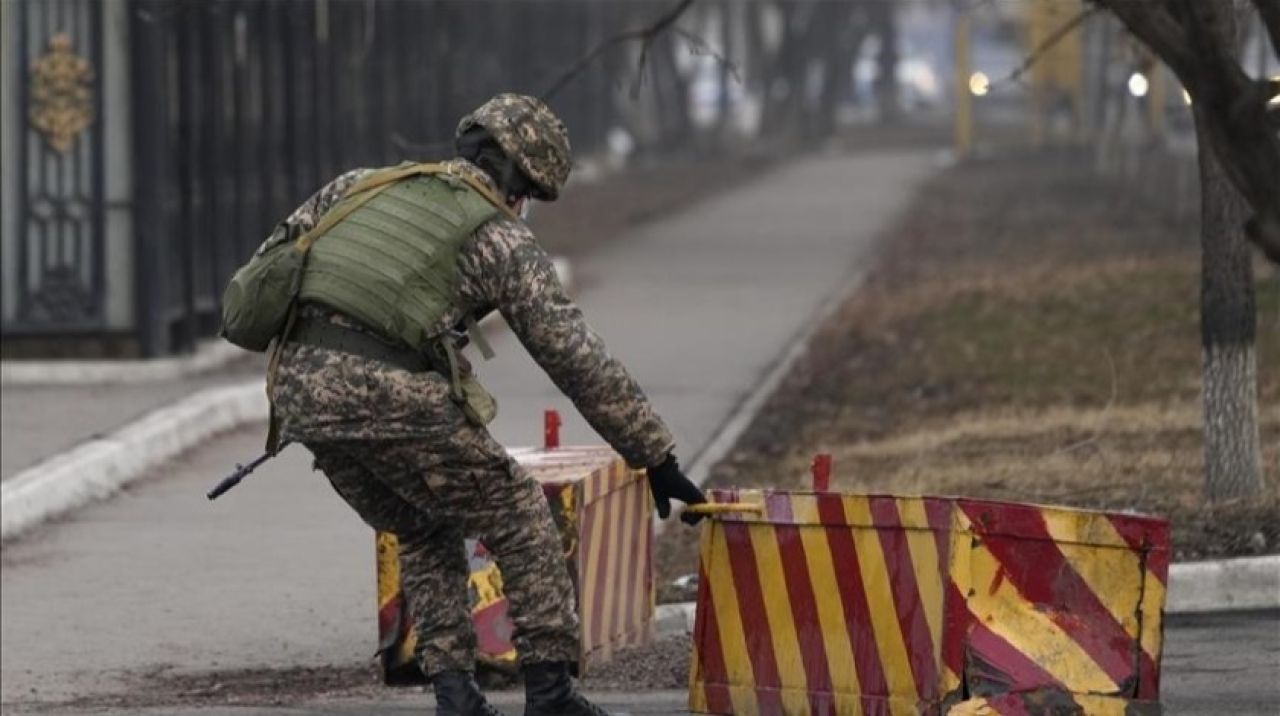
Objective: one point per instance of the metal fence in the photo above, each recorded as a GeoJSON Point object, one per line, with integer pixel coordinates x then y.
{"type": "Point", "coordinates": [227, 114]}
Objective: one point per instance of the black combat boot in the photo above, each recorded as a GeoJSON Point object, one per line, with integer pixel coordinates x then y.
{"type": "Point", "coordinates": [549, 691]}
{"type": "Point", "coordinates": [458, 695]}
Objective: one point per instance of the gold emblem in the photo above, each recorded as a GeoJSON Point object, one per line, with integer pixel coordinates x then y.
{"type": "Point", "coordinates": [61, 94]}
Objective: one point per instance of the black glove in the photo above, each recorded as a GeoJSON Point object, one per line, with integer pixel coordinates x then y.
{"type": "Point", "coordinates": [667, 482]}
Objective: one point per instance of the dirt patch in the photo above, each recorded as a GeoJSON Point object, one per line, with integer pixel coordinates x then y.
{"type": "Point", "coordinates": [1029, 332]}
{"type": "Point", "coordinates": [232, 687]}
{"type": "Point", "coordinates": [664, 664]}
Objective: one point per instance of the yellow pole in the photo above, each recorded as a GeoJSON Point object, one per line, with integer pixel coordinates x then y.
{"type": "Point", "coordinates": [964, 99]}
{"type": "Point", "coordinates": [1156, 99]}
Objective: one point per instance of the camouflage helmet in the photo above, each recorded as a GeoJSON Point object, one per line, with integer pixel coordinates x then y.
{"type": "Point", "coordinates": [530, 134]}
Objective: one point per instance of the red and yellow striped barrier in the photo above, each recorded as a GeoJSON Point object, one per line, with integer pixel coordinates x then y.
{"type": "Point", "coordinates": [825, 603]}
{"type": "Point", "coordinates": [605, 518]}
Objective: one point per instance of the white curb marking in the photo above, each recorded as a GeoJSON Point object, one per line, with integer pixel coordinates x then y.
{"type": "Point", "coordinates": [98, 468]}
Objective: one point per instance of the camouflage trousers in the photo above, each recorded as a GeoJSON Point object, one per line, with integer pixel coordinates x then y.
{"type": "Point", "coordinates": [431, 496]}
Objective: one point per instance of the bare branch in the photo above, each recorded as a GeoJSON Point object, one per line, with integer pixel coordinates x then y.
{"type": "Point", "coordinates": [701, 46]}
{"type": "Point", "coordinates": [644, 35]}
{"type": "Point", "coordinates": [1053, 39]}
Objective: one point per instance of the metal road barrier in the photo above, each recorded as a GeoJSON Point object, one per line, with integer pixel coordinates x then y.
{"type": "Point", "coordinates": [830, 603]}
{"type": "Point", "coordinates": [604, 513]}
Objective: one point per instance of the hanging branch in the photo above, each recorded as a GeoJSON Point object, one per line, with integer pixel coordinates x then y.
{"type": "Point", "coordinates": [1047, 44]}
{"type": "Point", "coordinates": [700, 46]}
{"type": "Point", "coordinates": [644, 35]}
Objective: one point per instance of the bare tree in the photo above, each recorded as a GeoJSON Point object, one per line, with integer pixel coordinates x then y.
{"type": "Point", "coordinates": [1240, 174]}
{"type": "Point", "coordinates": [1228, 322]}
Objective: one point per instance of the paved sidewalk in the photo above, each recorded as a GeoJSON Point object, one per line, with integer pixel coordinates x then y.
{"type": "Point", "coordinates": [40, 421]}
{"type": "Point", "coordinates": [279, 573]}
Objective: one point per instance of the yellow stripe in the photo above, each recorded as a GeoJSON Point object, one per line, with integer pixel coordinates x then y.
{"type": "Point", "coordinates": [642, 605]}
{"type": "Point", "coordinates": [733, 641]}
{"type": "Point", "coordinates": [1152, 616]}
{"type": "Point", "coordinates": [1082, 527]}
{"type": "Point", "coordinates": [884, 620]}
{"type": "Point", "coordinates": [777, 609]}
{"type": "Point", "coordinates": [1113, 573]}
{"type": "Point", "coordinates": [1101, 705]}
{"type": "Point", "coordinates": [950, 680]}
{"type": "Point", "coordinates": [822, 575]}
{"type": "Point", "coordinates": [1005, 612]}
{"type": "Point", "coordinates": [387, 549]}
{"type": "Point", "coordinates": [586, 572]}
{"type": "Point", "coordinates": [624, 624]}
{"type": "Point", "coordinates": [923, 548]}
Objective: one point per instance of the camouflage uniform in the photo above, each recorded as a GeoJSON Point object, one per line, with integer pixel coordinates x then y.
{"type": "Point", "coordinates": [401, 452]}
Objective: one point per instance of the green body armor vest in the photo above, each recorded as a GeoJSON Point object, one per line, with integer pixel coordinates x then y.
{"type": "Point", "coordinates": [392, 262]}
{"type": "Point", "coordinates": [385, 255]}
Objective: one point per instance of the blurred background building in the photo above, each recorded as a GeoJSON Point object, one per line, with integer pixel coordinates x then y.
{"type": "Point", "coordinates": [149, 145]}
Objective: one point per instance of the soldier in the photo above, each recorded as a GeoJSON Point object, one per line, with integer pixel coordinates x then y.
{"type": "Point", "coordinates": [372, 380]}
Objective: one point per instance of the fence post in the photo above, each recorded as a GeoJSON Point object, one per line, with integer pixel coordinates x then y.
{"type": "Point", "coordinates": [148, 20]}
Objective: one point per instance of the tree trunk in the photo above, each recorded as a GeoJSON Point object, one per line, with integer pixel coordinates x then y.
{"type": "Point", "coordinates": [885, 25]}
{"type": "Point", "coordinates": [1228, 325]}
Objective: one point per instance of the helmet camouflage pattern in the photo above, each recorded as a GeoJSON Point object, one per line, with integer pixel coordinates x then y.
{"type": "Point", "coordinates": [530, 134]}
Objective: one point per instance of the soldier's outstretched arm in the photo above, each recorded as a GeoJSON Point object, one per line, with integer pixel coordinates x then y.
{"type": "Point", "coordinates": [518, 278]}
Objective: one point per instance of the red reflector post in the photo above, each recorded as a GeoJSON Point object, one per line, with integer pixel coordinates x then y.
{"type": "Point", "coordinates": [551, 429]}
{"type": "Point", "coordinates": [821, 469]}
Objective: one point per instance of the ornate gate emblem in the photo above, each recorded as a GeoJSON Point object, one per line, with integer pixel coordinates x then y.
{"type": "Point", "coordinates": [61, 94]}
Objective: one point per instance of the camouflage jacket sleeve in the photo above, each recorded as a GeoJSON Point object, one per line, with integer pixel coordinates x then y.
{"type": "Point", "coordinates": [309, 212]}
{"type": "Point", "coordinates": [511, 272]}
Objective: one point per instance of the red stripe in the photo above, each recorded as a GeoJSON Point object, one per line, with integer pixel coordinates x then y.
{"type": "Point", "coordinates": [857, 615]}
{"type": "Point", "coordinates": [391, 627]}
{"type": "Point", "coordinates": [938, 513]}
{"type": "Point", "coordinates": [804, 610]}
{"type": "Point", "coordinates": [601, 577]}
{"type": "Point", "coordinates": [1035, 565]}
{"type": "Point", "coordinates": [955, 628]}
{"type": "Point", "coordinates": [1141, 535]}
{"type": "Point", "coordinates": [998, 666]}
{"type": "Point", "coordinates": [906, 595]}
{"type": "Point", "coordinates": [711, 665]}
{"type": "Point", "coordinates": [755, 620]}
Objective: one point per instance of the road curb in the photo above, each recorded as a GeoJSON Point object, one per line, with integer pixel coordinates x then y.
{"type": "Point", "coordinates": [210, 356]}
{"type": "Point", "coordinates": [96, 469]}
{"type": "Point", "coordinates": [1223, 585]}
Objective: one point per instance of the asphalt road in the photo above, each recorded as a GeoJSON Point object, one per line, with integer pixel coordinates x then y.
{"type": "Point", "coordinates": [1214, 664]}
